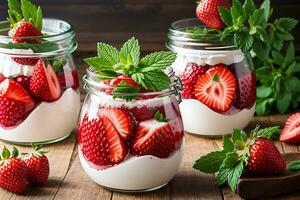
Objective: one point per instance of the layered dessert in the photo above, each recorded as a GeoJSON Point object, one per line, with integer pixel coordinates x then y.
{"type": "Point", "coordinates": [130, 134]}
{"type": "Point", "coordinates": [219, 91]}
{"type": "Point", "coordinates": [39, 88]}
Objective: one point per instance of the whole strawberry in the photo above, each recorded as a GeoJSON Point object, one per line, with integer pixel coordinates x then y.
{"type": "Point", "coordinates": [254, 155]}
{"type": "Point", "coordinates": [13, 172]}
{"type": "Point", "coordinates": [38, 166]}
{"type": "Point", "coordinates": [207, 12]}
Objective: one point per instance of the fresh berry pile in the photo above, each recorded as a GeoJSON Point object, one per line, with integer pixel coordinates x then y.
{"type": "Point", "coordinates": [107, 139]}
{"type": "Point", "coordinates": [219, 87]}
{"type": "Point", "coordinates": [18, 171]}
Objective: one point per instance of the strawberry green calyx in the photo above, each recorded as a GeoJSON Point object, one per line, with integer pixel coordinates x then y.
{"type": "Point", "coordinates": [230, 162]}
{"type": "Point", "coordinates": [6, 154]}
{"type": "Point", "coordinates": [24, 10]}
{"type": "Point", "coordinates": [36, 151]}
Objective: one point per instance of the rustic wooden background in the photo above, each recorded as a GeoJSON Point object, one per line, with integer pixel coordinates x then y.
{"type": "Point", "coordinates": [116, 20]}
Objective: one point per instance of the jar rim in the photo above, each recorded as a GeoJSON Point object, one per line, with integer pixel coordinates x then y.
{"type": "Point", "coordinates": [61, 31]}
{"type": "Point", "coordinates": [178, 37]}
{"type": "Point", "coordinates": [93, 85]}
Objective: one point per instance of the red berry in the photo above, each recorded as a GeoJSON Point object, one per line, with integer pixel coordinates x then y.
{"type": "Point", "coordinates": [120, 78]}
{"type": "Point", "coordinates": [216, 88]}
{"type": "Point", "coordinates": [25, 29]}
{"type": "Point", "coordinates": [68, 79]}
{"type": "Point", "coordinates": [264, 158]}
{"type": "Point", "coordinates": [207, 12]}
{"type": "Point", "coordinates": [12, 112]}
{"type": "Point", "coordinates": [145, 112]}
{"type": "Point", "coordinates": [291, 131]}
{"type": "Point", "coordinates": [25, 61]}
{"type": "Point", "coordinates": [24, 81]}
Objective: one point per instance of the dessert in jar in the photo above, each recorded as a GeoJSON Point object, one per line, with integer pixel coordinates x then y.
{"type": "Point", "coordinates": [219, 87]}
{"type": "Point", "coordinates": [39, 89]}
{"type": "Point", "coordinates": [130, 134]}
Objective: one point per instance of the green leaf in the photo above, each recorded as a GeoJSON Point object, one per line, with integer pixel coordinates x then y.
{"type": "Point", "coordinates": [29, 11]}
{"type": "Point", "coordinates": [211, 162]}
{"type": "Point", "coordinates": [155, 61]}
{"type": "Point", "coordinates": [125, 91]}
{"type": "Point", "coordinates": [286, 23]}
{"type": "Point", "coordinates": [294, 165]}
{"type": "Point", "coordinates": [225, 15]}
{"type": "Point", "coordinates": [98, 63]}
{"type": "Point", "coordinates": [283, 102]}
{"type": "Point", "coordinates": [266, 7]}
{"type": "Point", "coordinates": [262, 107]}
{"type": "Point", "coordinates": [39, 19]}
{"type": "Point", "coordinates": [155, 80]}
{"type": "Point", "coordinates": [222, 176]}
{"type": "Point", "coordinates": [259, 49]}
{"type": "Point", "coordinates": [290, 54]}
{"type": "Point", "coordinates": [230, 160]}
{"type": "Point", "coordinates": [249, 7]}
{"type": "Point", "coordinates": [293, 83]}
{"type": "Point", "coordinates": [258, 17]}
{"type": "Point", "coordinates": [263, 91]}
{"type": "Point", "coordinates": [237, 12]}
{"type": "Point", "coordinates": [15, 152]}
{"type": "Point", "coordinates": [277, 57]}
{"type": "Point", "coordinates": [228, 145]}
{"type": "Point", "coordinates": [108, 54]}
{"type": "Point", "coordinates": [130, 52]}
{"type": "Point", "coordinates": [277, 42]}
{"type": "Point", "coordinates": [57, 64]}
{"type": "Point", "coordinates": [36, 48]}
{"type": "Point", "coordinates": [243, 40]}
{"type": "Point", "coordinates": [267, 132]}
{"type": "Point", "coordinates": [234, 175]}
{"type": "Point", "coordinates": [5, 153]}
{"type": "Point", "coordinates": [160, 117]}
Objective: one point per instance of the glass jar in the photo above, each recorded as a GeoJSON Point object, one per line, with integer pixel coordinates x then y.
{"type": "Point", "coordinates": [122, 146]}
{"type": "Point", "coordinates": [219, 86]}
{"type": "Point", "coordinates": [39, 90]}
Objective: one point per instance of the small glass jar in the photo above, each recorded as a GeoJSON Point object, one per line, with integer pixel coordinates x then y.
{"type": "Point", "coordinates": [39, 90]}
{"type": "Point", "coordinates": [219, 86]}
{"type": "Point", "coordinates": [122, 146]}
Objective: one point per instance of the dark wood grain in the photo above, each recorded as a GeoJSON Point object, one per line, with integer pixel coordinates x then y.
{"type": "Point", "coordinates": [115, 21]}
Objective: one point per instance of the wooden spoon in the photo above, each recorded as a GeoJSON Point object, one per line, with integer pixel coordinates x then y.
{"type": "Point", "coordinates": [252, 187]}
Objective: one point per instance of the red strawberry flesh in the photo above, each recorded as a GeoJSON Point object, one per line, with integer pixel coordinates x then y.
{"type": "Point", "coordinates": [291, 131]}
{"type": "Point", "coordinates": [25, 29]}
{"type": "Point", "coordinates": [11, 112]}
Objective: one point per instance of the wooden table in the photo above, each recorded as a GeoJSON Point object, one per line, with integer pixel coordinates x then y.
{"type": "Point", "coordinates": [69, 181]}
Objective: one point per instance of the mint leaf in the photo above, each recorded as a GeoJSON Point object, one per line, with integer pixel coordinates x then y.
{"type": "Point", "coordinates": [290, 54]}
{"type": "Point", "coordinates": [155, 61]}
{"type": "Point", "coordinates": [98, 63]}
{"type": "Point", "coordinates": [125, 91]}
{"type": "Point", "coordinates": [29, 11]}
{"type": "Point", "coordinates": [234, 174]}
{"type": "Point", "coordinates": [238, 135]}
{"type": "Point", "coordinates": [293, 83]}
{"type": "Point", "coordinates": [159, 117]}
{"type": "Point", "coordinates": [57, 64]}
{"type": "Point", "coordinates": [222, 176]}
{"type": "Point", "coordinates": [36, 48]}
{"type": "Point", "coordinates": [267, 11]}
{"type": "Point", "coordinates": [15, 6]}
{"type": "Point", "coordinates": [14, 12]}
{"type": "Point", "coordinates": [226, 16]}
{"type": "Point", "coordinates": [258, 17]}
{"type": "Point", "coordinates": [243, 40]}
{"type": "Point", "coordinates": [230, 159]}
{"type": "Point", "coordinates": [259, 49]}
{"type": "Point", "coordinates": [130, 52]}
{"type": "Point", "coordinates": [286, 23]}
{"type": "Point", "coordinates": [283, 102]}
{"type": "Point", "coordinates": [155, 80]}
{"type": "Point", "coordinates": [39, 19]}
{"type": "Point", "coordinates": [249, 7]}
{"type": "Point", "coordinates": [267, 132]}
{"type": "Point", "coordinates": [211, 162]}
{"type": "Point", "coordinates": [228, 145]}
{"type": "Point", "coordinates": [108, 54]}
{"type": "Point", "coordinates": [294, 165]}
{"type": "Point", "coordinates": [263, 91]}
{"type": "Point", "coordinates": [277, 57]}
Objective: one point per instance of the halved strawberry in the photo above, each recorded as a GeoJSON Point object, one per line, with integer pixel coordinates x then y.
{"type": "Point", "coordinates": [154, 138]}
{"type": "Point", "coordinates": [291, 131]}
{"type": "Point", "coordinates": [24, 81]}
{"type": "Point", "coordinates": [145, 112]}
{"type": "Point", "coordinates": [116, 81]}
{"type": "Point", "coordinates": [100, 141]}
{"type": "Point", "coordinates": [25, 29]}
{"type": "Point", "coordinates": [25, 61]}
{"type": "Point", "coordinates": [216, 88]}
{"type": "Point", "coordinates": [13, 90]}
{"type": "Point", "coordinates": [68, 79]}
{"type": "Point", "coordinates": [120, 119]}
{"type": "Point", "coordinates": [12, 112]}
{"type": "Point", "coordinates": [44, 83]}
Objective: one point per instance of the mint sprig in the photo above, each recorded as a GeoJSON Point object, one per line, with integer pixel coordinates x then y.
{"type": "Point", "coordinates": [230, 162]}
{"type": "Point", "coordinates": [160, 117]}
{"type": "Point", "coordinates": [24, 10]}
{"type": "Point", "coordinates": [148, 71]}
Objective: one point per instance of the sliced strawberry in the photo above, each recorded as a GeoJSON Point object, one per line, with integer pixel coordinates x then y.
{"type": "Point", "coordinates": [154, 138]}
{"type": "Point", "coordinates": [291, 131]}
{"type": "Point", "coordinates": [145, 112]}
{"type": "Point", "coordinates": [11, 112]}
{"type": "Point", "coordinates": [216, 88]}
{"type": "Point", "coordinates": [189, 78]}
{"type": "Point", "coordinates": [44, 83]}
{"type": "Point", "coordinates": [13, 90]}
{"type": "Point", "coordinates": [119, 79]}
{"type": "Point", "coordinates": [117, 148]}
{"type": "Point", "coordinates": [25, 29]}
{"type": "Point", "coordinates": [120, 119]}
{"type": "Point", "coordinates": [25, 61]}
{"type": "Point", "coordinates": [24, 81]}
{"type": "Point", "coordinates": [68, 79]}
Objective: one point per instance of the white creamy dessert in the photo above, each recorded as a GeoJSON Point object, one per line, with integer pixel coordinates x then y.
{"type": "Point", "coordinates": [136, 173]}
{"type": "Point", "coordinates": [48, 121]}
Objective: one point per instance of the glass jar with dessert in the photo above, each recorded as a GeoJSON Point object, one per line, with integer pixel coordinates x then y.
{"type": "Point", "coordinates": [130, 133]}
{"type": "Point", "coordinates": [219, 87]}
{"type": "Point", "coordinates": [39, 89]}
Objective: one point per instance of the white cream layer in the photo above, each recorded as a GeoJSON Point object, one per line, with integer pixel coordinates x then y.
{"type": "Point", "coordinates": [48, 121]}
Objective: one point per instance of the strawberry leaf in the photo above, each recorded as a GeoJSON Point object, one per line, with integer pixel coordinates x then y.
{"type": "Point", "coordinates": [39, 19]}
{"type": "Point", "coordinates": [15, 152]}
{"type": "Point", "coordinates": [5, 153]}
{"type": "Point", "coordinates": [226, 16]}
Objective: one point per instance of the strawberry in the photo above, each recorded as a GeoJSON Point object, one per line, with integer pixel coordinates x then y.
{"type": "Point", "coordinates": [216, 88]}
{"type": "Point", "coordinates": [25, 61]}
{"type": "Point", "coordinates": [13, 90]}
{"type": "Point", "coordinates": [154, 138]}
{"type": "Point", "coordinates": [264, 158]}
{"type": "Point", "coordinates": [120, 119]}
{"type": "Point", "coordinates": [38, 166]}
{"type": "Point", "coordinates": [69, 79]}
{"type": "Point", "coordinates": [12, 112]}
{"type": "Point", "coordinates": [291, 131]}
{"type": "Point", "coordinates": [25, 29]}
{"type": "Point", "coordinates": [13, 172]}
{"type": "Point", "coordinates": [2, 77]}
{"type": "Point", "coordinates": [24, 81]}
{"type": "Point", "coordinates": [44, 83]}
{"type": "Point", "coordinates": [189, 78]}
{"type": "Point", "coordinates": [116, 81]}
{"type": "Point", "coordinates": [145, 112]}
{"type": "Point", "coordinates": [100, 141]}
{"type": "Point", "coordinates": [207, 12]}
